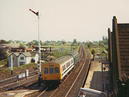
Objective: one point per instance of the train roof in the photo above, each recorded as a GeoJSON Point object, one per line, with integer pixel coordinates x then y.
{"type": "Point", "coordinates": [62, 59]}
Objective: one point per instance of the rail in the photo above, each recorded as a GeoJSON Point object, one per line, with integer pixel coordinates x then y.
{"type": "Point", "coordinates": [83, 83]}
{"type": "Point", "coordinates": [15, 77]}
{"type": "Point", "coordinates": [75, 80]}
{"type": "Point", "coordinates": [14, 82]}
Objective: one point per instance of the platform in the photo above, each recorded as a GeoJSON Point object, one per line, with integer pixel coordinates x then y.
{"type": "Point", "coordinates": [98, 79]}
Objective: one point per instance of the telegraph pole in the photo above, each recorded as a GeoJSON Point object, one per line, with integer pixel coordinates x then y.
{"type": "Point", "coordinates": [39, 56]}
{"type": "Point", "coordinates": [11, 64]}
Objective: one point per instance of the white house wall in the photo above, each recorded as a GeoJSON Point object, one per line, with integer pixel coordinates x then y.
{"type": "Point", "coordinates": [21, 60]}
{"type": "Point", "coordinates": [28, 60]}
{"type": "Point", "coordinates": [36, 58]}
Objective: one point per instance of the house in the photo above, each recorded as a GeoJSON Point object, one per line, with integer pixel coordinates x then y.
{"type": "Point", "coordinates": [29, 49]}
{"type": "Point", "coordinates": [20, 58]}
{"type": "Point", "coordinates": [34, 57]}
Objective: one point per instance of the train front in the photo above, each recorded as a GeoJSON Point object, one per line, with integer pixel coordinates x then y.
{"type": "Point", "coordinates": [51, 72]}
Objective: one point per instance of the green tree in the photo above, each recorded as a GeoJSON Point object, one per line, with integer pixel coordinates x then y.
{"type": "Point", "coordinates": [29, 44]}
{"type": "Point", "coordinates": [89, 44]}
{"type": "Point", "coordinates": [93, 53]}
{"type": "Point", "coordinates": [3, 54]}
{"type": "Point", "coordinates": [3, 42]}
{"type": "Point", "coordinates": [74, 42]}
{"type": "Point", "coordinates": [63, 42]}
{"type": "Point", "coordinates": [22, 46]}
{"type": "Point", "coordinates": [10, 41]}
{"type": "Point", "coordinates": [35, 42]}
{"type": "Point", "coordinates": [41, 43]}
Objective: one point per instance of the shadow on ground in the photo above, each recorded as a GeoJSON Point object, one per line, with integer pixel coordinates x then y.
{"type": "Point", "coordinates": [100, 81]}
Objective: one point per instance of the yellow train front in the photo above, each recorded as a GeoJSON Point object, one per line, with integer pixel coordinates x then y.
{"type": "Point", "coordinates": [57, 69]}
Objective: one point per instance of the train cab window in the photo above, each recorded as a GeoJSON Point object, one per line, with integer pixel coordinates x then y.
{"type": "Point", "coordinates": [51, 70]}
{"type": "Point", "coordinates": [56, 70]}
{"type": "Point", "coordinates": [71, 61]}
{"type": "Point", "coordinates": [45, 70]}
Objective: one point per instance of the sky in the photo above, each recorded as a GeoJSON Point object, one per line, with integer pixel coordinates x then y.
{"type": "Point", "coordinates": [84, 20]}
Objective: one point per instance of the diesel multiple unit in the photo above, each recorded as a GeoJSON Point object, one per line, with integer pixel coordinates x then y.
{"type": "Point", "coordinates": [56, 70]}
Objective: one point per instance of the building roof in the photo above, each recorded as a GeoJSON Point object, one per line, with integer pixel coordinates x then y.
{"type": "Point", "coordinates": [62, 59]}
{"type": "Point", "coordinates": [16, 53]}
{"type": "Point", "coordinates": [27, 54]}
{"type": "Point", "coordinates": [33, 54]}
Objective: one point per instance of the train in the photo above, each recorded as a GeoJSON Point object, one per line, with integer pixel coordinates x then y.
{"type": "Point", "coordinates": [56, 70]}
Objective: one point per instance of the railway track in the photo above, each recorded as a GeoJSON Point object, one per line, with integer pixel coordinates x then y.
{"type": "Point", "coordinates": [71, 84]}
{"type": "Point", "coordinates": [14, 82]}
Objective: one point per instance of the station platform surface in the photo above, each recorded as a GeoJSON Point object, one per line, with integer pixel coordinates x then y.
{"type": "Point", "coordinates": [98, 79]}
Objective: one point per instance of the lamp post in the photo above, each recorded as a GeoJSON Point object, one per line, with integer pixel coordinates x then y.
{"type": "Point", "coordinates": [39, 63]}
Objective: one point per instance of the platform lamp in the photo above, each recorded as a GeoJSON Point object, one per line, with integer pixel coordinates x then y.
{"type": "Point", "coordinates": [39, 56]}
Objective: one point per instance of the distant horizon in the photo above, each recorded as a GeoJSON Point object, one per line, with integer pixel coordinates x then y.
{"type": "Point", "coordinates": [84, 20]}
{"type": "Point", "coordinates": [55, 40]}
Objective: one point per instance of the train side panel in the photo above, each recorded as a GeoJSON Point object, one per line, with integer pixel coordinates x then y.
{"type": "Point", "coordinates": [66, 67]}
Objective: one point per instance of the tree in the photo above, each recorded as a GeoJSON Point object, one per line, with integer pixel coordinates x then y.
{"type": "Point", "coordinates": [41, 43]}
{"type": "Point", "coordinates": [74, 42]}
{"type": "Point", "coordinates": [105, 40]}
{"type": "Point", "coordinates": [22, 46]}
{"type": "Point", "coordinates": [89, 44]}
{"type": "Point", "coordinates": [105, 53]}
{"type": "Point", "coordinates": [10, 41]}
{"type": "Point", "coordinates": [63, 42]}
{"type": "Point", "coordinates": [93, 53]}
{"type": "Point", "coordinates": [3, 42]}
{"type": "Point", "coordinates": [35, 42]}
{"type": "Point", "coordinates": [3, 54]}
{"type": "Point", "coordinates": [29, 44]}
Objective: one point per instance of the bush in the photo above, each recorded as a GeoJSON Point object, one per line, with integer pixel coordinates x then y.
{"type": "Point", "coordinates": [3, 62]}
{"type": "Point", "coordinates": [58, 54]}
{"type": "Point", "coordinates": [3, 54]}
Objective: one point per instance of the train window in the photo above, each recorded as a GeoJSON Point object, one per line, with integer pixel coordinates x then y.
{"type": "Point", "coordinates": [63, 67]}
{"type": "Point", "coordinates": [45, 70]}
{"type": "Point", "coordinates": [51, 70]}
{"type": "Point", "coordinates": [71, 61]}
{"type": "Point", "coordinates": [67, 64]}
{"type": "Point", "coordinates": [56, 70]}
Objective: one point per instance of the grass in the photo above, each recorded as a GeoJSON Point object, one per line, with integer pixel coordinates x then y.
{"type": "Point", "coordinates": [68, 47]}
{"type": "Point", "coordinates": [5, 70]}
{"type": "Point", "coordinates": [19, 68]}
{"type": "Point", "coordinates": [58, 54]}
{"type": "Point", "coordinates": [25, 66]}
{"type": "Point", "coordinates": [62, 51]}
{"type": "Point", "coordinates": [3, 62]}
